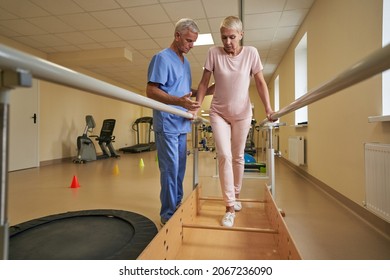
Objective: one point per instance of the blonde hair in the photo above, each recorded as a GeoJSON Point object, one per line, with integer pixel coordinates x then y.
{"type": "Point", "coordinates": [232, 22]}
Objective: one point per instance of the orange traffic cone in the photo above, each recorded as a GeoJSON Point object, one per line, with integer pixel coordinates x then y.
{"type": "Point", "coordinates": [75, 183]}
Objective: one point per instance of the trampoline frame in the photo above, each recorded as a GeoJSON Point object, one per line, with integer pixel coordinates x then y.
{"type": "Point", "coordinates": [144, 229]}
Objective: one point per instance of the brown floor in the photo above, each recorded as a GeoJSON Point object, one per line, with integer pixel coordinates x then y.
{"type": "Point", "coordinates": [202, 242]}
{"type": "Point", "coordinates": [321, 227]}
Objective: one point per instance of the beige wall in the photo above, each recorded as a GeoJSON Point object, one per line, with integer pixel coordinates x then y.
{"type": "Point", "coordinates": [339, 33]}
{"type": "Point", "coordinates": [62, 119]}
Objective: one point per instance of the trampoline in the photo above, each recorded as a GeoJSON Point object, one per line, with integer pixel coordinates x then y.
{"type": "Point", "coordinates": [82, 235]}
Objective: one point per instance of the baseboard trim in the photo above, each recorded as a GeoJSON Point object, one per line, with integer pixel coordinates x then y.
{"type": "Point", "coordinates": [376, 222]}
{"type": "Point", "coordinates": [55, 161]}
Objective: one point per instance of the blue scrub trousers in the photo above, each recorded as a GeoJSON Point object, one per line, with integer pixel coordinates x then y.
{"type": "Point", "coordinates": [172, 157]}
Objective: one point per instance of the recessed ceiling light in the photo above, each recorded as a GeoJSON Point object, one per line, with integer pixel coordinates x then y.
{"type": "Point", "coordinates": [204, 39]}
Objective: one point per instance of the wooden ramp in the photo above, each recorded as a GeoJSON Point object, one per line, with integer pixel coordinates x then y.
{"type": "Point", "coordinates": [195, 233]}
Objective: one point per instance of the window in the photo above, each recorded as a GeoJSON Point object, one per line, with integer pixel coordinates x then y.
{"type": "Point", "coordinates": [301, 78]}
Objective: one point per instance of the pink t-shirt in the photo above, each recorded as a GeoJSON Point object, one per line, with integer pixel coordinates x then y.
{"type": "Point", "coordinates": [232, 77]}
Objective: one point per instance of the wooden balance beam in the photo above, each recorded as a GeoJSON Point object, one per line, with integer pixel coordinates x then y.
{"type": "Point", "coordinates": [194, 232]}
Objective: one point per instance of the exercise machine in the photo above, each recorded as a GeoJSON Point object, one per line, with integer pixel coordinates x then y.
{"type": "Point", "coordinates": [141, 146]}
{"type": "Point", "coordinates": [252, 165]}
{"type": "Point", "coordinates": [250, 150]}
{"type": "Point", "coordinates": [250, 147]}
{"type": "Point", "coordinates": [105, 139]}
{"type": "Point", "coordinates": [206, 138]}
{"type": "Point", "coordinates": [86, 147]}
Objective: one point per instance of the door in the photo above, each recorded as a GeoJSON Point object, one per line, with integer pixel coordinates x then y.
{"type": "Point", "coordinates": [23, 128]}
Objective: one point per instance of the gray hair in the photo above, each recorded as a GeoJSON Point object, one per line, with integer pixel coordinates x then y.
{"type": "Point", "coordinates": [186, 24]}
{"type": "Point", "coordinates": [232, 22]}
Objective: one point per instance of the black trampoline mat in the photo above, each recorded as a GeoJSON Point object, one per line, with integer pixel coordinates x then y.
{"type": "Point", "coordinates": [82, 235]}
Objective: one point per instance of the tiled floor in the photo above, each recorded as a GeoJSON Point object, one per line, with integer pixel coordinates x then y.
{"type": "Point", "coordinates": [321, 227]}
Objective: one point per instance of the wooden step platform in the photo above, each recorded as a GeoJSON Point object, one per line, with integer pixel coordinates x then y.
{"type": "Point", "coordinates": [195, 233]}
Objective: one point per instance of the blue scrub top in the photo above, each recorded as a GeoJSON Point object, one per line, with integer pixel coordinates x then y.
{"type": "Point", "coordinates": [174, 78]}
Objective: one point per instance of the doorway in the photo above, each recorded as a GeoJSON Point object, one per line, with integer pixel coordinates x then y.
{"type": "Point", "coordinates": [24, 128]}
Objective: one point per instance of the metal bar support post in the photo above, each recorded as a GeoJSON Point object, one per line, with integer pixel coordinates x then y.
{"type": "Point", "coordinates": [9, 79]}
{"type": "Point", "coordinates": [271, 160]}
{"type": "Point", "coordinates": [195, 150]}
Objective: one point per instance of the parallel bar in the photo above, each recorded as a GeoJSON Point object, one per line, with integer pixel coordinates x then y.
{"type": "Point", "coordinates": [4, 132]}
{"type": "Point", "coordinates": [373, 64]}
{"type": "Point", "coordinates": [51, 72]}
{"type": "Point", "coordinates": [271, 161]}
{"type": "Point", "coordinates": [242, 229]}
{"type": "Point", "coordinates": [195, 165]}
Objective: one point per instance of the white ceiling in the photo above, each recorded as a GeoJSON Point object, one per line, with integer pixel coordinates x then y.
{"type": "Point", "coordinates": [117, 38]}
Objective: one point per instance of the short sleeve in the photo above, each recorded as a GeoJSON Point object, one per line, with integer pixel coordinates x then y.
{"type": "Point", "coordinates": [157, 71]}
{"type": "Point", "coordinates": [210, 60]}
{"type": "Point", "coordinates": [256, 66]}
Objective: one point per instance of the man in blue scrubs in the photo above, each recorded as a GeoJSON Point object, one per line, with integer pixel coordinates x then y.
{"type": "Point", "coordinates": [169, 81]}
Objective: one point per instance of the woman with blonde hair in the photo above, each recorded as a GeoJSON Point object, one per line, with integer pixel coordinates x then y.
{"type": "Point", "coordinates": [233, 66]}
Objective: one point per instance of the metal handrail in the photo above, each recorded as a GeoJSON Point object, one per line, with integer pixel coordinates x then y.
{"type": "Point", "coordinates": [371, 65]}
{"type": "Point", "coordinates": [51, 72]}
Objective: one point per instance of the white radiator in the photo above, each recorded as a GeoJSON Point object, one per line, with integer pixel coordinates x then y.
{"type": "Point", "coordinates": [377, 165]}
{"type": "Point", "coordinates": [296, 150]}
